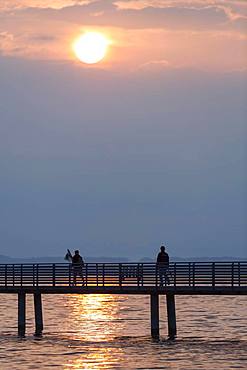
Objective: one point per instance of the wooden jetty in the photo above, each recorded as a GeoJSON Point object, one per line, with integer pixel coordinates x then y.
{"type": "Point", "coordinates": [182, 278]}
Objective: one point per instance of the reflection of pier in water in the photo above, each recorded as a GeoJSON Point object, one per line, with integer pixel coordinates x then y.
{"type": "Point", "coordinates": [184, 278]}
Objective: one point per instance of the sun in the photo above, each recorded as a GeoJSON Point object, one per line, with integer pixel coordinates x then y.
{"type": "Point", "coordinates": [91, 47]}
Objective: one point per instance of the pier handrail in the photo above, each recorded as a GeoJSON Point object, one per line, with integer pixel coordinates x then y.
{"type": "Point", "coordinates": [129, 274]}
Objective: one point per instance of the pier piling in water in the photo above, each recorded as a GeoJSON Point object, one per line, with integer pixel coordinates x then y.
{"type": "Point", "coordinates": [171, 316]}
{"type": "Point", "coordinates": [38, 314]}
{"type": "Point", "coordinates": [154, 307]}
{"type": "Point", "coordinates": [21, 314]}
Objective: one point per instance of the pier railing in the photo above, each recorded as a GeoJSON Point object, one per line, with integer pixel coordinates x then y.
{"type": "Point", "coordinates": [136, 275]}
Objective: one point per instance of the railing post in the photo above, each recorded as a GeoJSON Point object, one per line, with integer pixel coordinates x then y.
{"type": "Point", "coordinates": [70, 274]}
{"type": "Point", "coordinates": [138, 275]}
{"type": "Point", "coordinates": [156, 275]}
{"type": "Point", "coordinates": [97, 274]}
{"type": "Point", "coordinates": [175, 274]}
{"type": "Point", "coordinates": [86, 272]}
{"type": "Point", "coordinates": [37, 273]}
{"type": "Point", "coordinates": [13, 276]}
{"type": "Point", "coordinates": [21, 274]}
{"type": "Point", "coordinates": [239, 275]}
{"type": "Point", "coordinates": [189, 274]}
{"type": "Point", "coordinates": [53, 274]}
{"type": "Point", "coordinates": [232, 274]}
{"type": "Point", "coordinates": [103, 275]}
{"type": "Point", "coordinates": [193, 275]}
{"type": "Point", "coordinates": [6, 275]}
{"type": "Point", "coordinates": [213, 274]}
{"type": "Point", "coordinates": [33, 274]}
{"type": "Point", "coordinates": [120, 274]}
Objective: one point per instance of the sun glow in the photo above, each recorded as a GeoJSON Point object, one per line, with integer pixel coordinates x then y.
{"type": "Point", "coordinates": [91, 47]}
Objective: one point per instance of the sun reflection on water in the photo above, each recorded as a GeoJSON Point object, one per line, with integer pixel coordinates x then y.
{"type": "Point", "coordinates": [94, 320]}
{"type": "Point", "coordinates": [102, 359]}
{"type": "Point", "coordinates": [95, 316]}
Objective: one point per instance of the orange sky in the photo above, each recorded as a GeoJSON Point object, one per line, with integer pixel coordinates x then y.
{"type": "Point", "coordinates": [145, 33]}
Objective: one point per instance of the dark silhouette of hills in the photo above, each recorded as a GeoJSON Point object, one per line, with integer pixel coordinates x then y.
{"type": "Point", "coordinates": [7, 259]}
{"type": "Point", "coordinates": [197, 259]}
{"type": "Point", "coordinates": [105, 259]}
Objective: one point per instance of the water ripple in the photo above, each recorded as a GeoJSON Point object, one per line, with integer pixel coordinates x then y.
{"type": "Point", "coordinates": [112, 332]}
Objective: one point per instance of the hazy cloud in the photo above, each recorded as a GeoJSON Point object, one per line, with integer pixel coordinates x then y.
{"type": "Point", "coordinates": [149, 14]}
{"type": "Point", "coordinates": [7, 5]}
{"type": "Point", "coordinates": [172, 17]}
{"type": "Point", "coordinates": [155, 64]}
{"type": "Point", "coordinates": [43, 38]}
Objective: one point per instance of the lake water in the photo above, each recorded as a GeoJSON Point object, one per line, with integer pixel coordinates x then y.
{"type": "Point", "coordinates": [111, 332]}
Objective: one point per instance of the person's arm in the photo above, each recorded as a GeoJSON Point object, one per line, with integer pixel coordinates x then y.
{"type": "Point", "coordinates": [68, 256]}
{"type": "Point", "coordinates": [158, 258]}
{"type": "Point", "coordinates": [168, 259]}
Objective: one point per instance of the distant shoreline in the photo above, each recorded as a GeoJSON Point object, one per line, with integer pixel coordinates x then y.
{"type": "Point", "coordinates": [105, 259]}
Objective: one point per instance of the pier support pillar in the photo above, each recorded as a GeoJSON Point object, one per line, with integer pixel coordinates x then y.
{"type": "Point", "coordinates": [38, 314]}
{"type": "Point", "coordinates": [154, 306]}
{"type": "Point", "coordinates": [21, 314]}
{"type": "Point", "coordinates": [171, 315]}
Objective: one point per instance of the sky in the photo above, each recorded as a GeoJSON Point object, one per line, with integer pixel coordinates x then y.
{"type": "Point", "coordinates": [147, 147]}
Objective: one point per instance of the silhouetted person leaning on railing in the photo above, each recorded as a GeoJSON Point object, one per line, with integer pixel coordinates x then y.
{"type": "Point", "coordinates": [77, 265]}
{"type": "Point", "coordinates": [163, 266]}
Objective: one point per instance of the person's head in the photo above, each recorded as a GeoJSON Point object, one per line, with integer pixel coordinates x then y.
{"type": "Point", "coordinates": [77, 252]}
{"type": "Point", "coordinates": [162, 248]}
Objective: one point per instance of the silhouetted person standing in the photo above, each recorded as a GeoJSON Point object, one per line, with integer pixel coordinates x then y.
{"type": "Point", "coordinates": [163, 266]}
{"type": "Point", "coordinates": [77, 265]}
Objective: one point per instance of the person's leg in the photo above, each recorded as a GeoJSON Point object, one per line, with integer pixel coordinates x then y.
{"type": "Point", "coordinates": [161, 274]}
{"type": "Point", "coordinates": [81, 276]}
{"type": "Point", "coordinates": [75, 274]}
{"type": "Point", "coordinates": [167, 280]}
